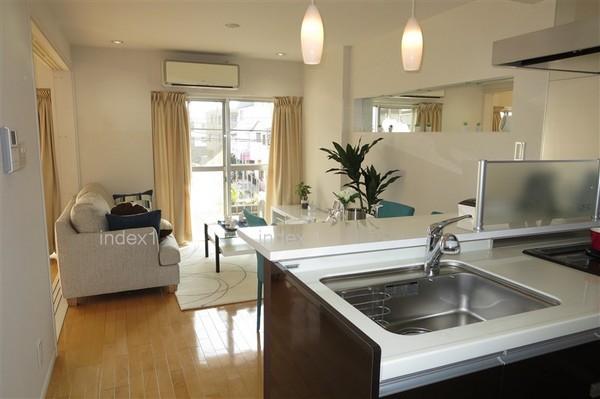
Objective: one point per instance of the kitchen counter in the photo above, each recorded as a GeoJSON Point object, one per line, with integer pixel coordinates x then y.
{"type": "Point", "coordinates": [298, 241]}
{"type": "Point", "coordinates": [578, 293]}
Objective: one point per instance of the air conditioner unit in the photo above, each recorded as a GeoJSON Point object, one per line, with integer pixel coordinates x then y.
{"type": "Point", "coordinates": [198, 74]}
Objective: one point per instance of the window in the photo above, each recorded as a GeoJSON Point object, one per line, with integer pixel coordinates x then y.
{"type": "Point", "coordinates": [394, 119]}
{"type": "Point", "coordinates": [230, 142]}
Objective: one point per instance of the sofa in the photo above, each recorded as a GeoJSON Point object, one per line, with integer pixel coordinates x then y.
{"type": "Point", "coordinates": [93, 260]}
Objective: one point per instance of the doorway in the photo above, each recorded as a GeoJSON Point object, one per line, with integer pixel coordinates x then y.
{"type": "Point", "coordinates": [58, 149]}
{"type": "Point", "coordinates": [229, 141]}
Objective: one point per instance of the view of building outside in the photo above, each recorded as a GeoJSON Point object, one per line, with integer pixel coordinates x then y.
{"type": "Point", "coordinates": [394, 119]}
{"type": "Point", "coordinates": [247, 134]}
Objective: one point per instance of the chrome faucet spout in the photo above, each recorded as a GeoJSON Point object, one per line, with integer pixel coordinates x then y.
{"type": "Point", "coordinates": [438, 244]}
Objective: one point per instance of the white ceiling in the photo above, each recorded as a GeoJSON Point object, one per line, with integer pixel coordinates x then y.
{"type": "Point", "coordinates": [267, 27]}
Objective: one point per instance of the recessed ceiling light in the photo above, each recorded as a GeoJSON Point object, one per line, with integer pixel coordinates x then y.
{"type": "Point", "coordinates": [232, 25]}
{"type": "Point", "coordinates": [117, 41]}
{"type": "Point", "coordinates": [280, 54]}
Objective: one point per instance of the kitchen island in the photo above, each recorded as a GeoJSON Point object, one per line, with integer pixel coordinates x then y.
{"type": "Point", "coordinates": [502, 357]}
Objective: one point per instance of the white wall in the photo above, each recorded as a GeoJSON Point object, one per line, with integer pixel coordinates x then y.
{"type": "Point", "coordinates": [40, 12]}
{"type": "Point", "coordinates": [462, 104]}
{"type": "Point", "coordinates": [323, 116]}
{"type": "Point", "coordinates": [440, 169]}
{"type": "Point", "coordinates": [113, 107]}
{"type": "Point", "coordinates": [25, 306]}
{"type": "Point", "coordinates": [572, 124]}
{"type": "Point", "coordinates": [571, 128]}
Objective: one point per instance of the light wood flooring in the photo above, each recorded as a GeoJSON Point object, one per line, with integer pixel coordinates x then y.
{"type": "Point", "coordinates": [140, 345]}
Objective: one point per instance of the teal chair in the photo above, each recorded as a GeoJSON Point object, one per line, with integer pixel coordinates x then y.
{"type": "Point", "coordinates": [256, 221]}
{"type": "Point", "coordinates": [389, 209]}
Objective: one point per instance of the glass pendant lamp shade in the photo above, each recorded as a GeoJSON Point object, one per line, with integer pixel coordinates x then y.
{"type": "Point", "coordinates": [412, 46]}
{"type": "Point", "coordinates": [312, 36]}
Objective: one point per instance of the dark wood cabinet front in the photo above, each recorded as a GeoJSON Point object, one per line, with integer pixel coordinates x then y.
{"type": "Point", "coordinates": [485, 384]}
{"type": "Point", "coordinates": [572, 373]}
{"type": "Point", "coordinates": [311, 351]}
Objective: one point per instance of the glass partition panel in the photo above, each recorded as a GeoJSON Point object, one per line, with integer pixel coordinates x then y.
{"type": "Point", "coordinates": [537, 193]}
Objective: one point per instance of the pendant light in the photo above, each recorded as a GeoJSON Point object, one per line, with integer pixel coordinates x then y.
{"type": "Point", "coordinates": [412, 44]}
{"type": "Point", "coordinates": [312, 35]}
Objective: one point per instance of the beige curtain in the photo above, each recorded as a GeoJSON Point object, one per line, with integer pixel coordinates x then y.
{"type": "Point", "coordinates": [285, 154]}
{"type": "Point", "coordinates": [48, 161]}
{"type": "Point", "coordinates": [430, 114]}
{"type": "Point", "coordinates": [172, 166]}
{"type": "Point", "coordinates": [496, 119]}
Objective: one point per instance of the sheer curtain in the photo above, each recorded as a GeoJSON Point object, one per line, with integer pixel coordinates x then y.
{"type": "Point", "coordinates": [48, 161]}
{"type": "Point", "coordinates": [285, 153]}
{"type": "Point", "coordinates": [430, 114]}
{"type": "Point", "coordinates": [172, 166]}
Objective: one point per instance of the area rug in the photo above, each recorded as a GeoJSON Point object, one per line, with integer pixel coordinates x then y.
{"type": "Point", "coordinates": [201, 287]}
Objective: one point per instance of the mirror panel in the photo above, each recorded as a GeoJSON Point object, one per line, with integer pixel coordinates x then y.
{"type": "Point", "coordinates": [478, 106]}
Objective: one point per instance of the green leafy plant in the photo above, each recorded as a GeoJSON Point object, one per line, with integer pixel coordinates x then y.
{"type": "Point", "coordinates": [367, 182]}
{"type": "Point", "coordinates": [375, 184]}
{"type": "Point", "coordinates": [350, 160]}
{"type": "Point", "coordinates": [303, 190]}
{"type": "Point", "coordinates": [347, 196]}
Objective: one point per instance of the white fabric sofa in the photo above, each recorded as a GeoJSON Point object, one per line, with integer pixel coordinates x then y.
{"type": "Point", "coordinates": [93, 260]}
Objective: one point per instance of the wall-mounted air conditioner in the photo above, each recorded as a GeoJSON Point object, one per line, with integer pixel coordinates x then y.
{"type": "Point", "coordinates": [198, 74]}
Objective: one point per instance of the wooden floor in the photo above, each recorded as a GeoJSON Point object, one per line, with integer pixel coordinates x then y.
{"type": "Point", "coordinates": [140, 345]}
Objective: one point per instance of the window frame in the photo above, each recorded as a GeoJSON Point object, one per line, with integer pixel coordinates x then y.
{"type": "Point", "coordinates": [227, 167]}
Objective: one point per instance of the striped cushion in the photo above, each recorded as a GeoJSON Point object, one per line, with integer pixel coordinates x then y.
{"type": "Point", "coordinates": [144, 199]}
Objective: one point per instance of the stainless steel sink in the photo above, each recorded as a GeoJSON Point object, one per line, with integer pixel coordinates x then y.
{"type": "Point", "coordinates": [405, 301]}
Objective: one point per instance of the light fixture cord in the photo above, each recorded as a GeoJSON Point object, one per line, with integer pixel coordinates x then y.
{"type": "Point", "coordinates": [413, 8]}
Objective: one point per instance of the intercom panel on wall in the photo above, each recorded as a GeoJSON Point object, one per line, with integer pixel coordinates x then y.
{"type": "Point", "coordinates": [12, 152]}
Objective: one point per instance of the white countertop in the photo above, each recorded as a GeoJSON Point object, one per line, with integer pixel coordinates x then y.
{"type": "Point", "coordinates": [298, 241]}
{"type": "Point", "coordinates": [297, 213]}
{"type": "Point", "coordinates": [578, 293]}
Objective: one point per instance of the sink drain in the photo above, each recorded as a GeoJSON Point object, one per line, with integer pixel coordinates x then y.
{"type": "Point", "coordinates": [413, 331]}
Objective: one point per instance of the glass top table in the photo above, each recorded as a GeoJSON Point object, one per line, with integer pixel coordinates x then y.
{"type": "Point", "coordinates": [226, 243]}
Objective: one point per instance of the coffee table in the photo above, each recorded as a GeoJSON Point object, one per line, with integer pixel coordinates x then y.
{"type": "Point", "coordinates": [227, 243]}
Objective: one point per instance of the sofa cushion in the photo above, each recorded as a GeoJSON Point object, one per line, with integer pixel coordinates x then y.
{"type": "Point", "coordinates": [88, 213]}
{"type": "Point", "coordinates": [144, 199]}
{"type": "Point", "coordinates": [168, 253]}
{"type": "Point", "coordinates": [121, 222]}
{"type": "Point", "coordinates": [166, 228]}
{"type": "Point", "coordinates": [99, 189]}
{"type": "Point", "coordinates": [128, 208]}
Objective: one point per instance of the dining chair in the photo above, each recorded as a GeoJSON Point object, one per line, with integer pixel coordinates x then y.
{"type": "Point", "coordinates": [389, 209]}
{"type": "Point", "coordinates": [256, 221]}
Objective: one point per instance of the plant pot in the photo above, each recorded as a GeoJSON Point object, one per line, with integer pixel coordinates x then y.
{"type": "Point", "coordinates": [355, 214]}
{"type": "Point", "coordinates": [304, 203]}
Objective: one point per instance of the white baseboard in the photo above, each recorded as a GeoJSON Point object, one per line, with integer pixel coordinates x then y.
{"type": "Point", "coordinates": [48, 375]}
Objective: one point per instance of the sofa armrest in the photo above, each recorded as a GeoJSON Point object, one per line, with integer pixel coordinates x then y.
{"type": "Point", "coordinates": [169, 251]}
{"type": "Point", "coordinates": [85, 257]}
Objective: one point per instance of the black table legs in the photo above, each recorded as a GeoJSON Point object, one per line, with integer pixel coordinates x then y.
{"type": "Point", "coordinates": [205, 240]}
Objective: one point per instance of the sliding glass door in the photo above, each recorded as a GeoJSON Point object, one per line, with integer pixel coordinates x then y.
{"type": "Point", "coordinates": [230, 153]}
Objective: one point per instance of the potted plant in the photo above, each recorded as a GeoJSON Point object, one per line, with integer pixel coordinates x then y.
{"type": "Point", "coordinates": [366, 182]}
{"type": "Point", "coordinates": [346, 197]}
{"type": "Point", "coordinates": [375, 184]}
{"type": "Point", "coordinates": [303, 190]}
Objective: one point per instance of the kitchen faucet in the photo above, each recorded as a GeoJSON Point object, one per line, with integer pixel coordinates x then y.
{"type": "Point", "coordinates": [439, 244]}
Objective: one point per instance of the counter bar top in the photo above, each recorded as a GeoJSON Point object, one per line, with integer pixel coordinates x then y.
{"type": "Point", "coordinates": [298, 241]}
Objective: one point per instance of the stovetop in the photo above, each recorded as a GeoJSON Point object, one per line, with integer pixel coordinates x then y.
{"type": "Point", "coordinates": [576, 256]}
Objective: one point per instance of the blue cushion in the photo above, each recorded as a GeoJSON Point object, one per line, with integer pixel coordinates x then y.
{"type": "Point", "coordinates": [253, 220]}
{"type": "Point", "coordinates": [391, 209]}
{"type": "Point", "coordinates": [148, 219]}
